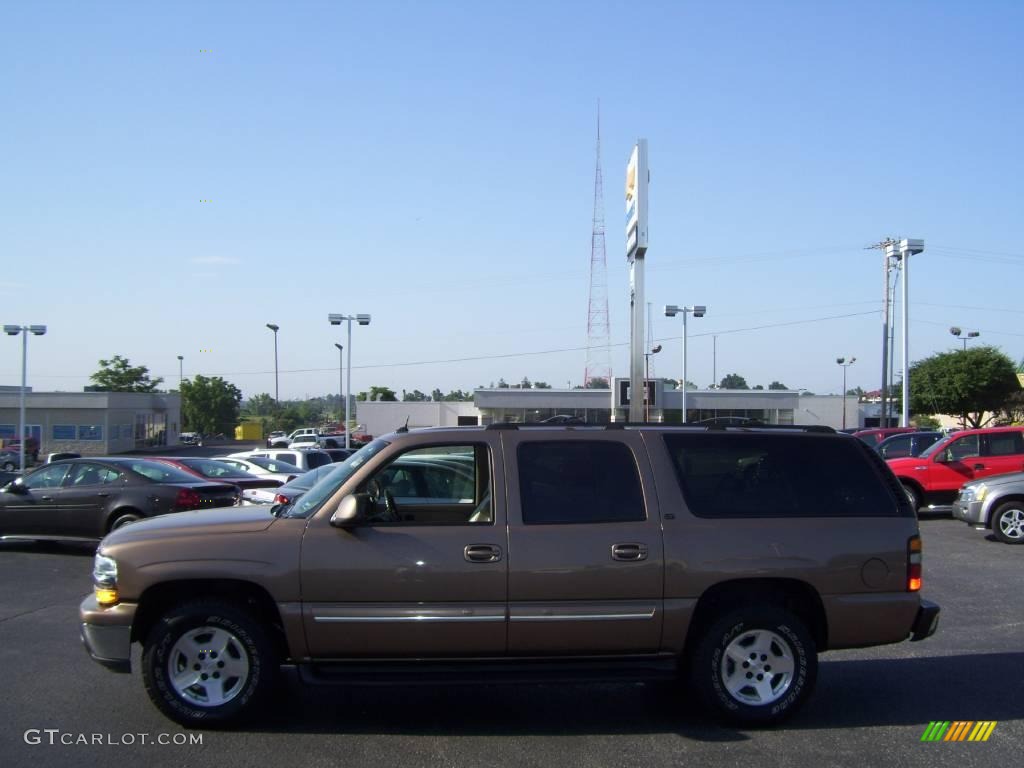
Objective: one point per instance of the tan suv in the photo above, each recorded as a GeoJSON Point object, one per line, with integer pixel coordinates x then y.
{"type": "Point", "coordinates": [538, 553]}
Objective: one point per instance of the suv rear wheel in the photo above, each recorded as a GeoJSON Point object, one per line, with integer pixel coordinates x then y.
{"type": "Point", "coordinates": [207, 662]}
{"type": "Point", "coordinates": [755, 665]}
{"type": "Point", "coordinates": [1008, 522]}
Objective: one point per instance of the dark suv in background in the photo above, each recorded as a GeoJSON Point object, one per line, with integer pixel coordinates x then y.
{"type": "Point", "coordinates": [907, 444]}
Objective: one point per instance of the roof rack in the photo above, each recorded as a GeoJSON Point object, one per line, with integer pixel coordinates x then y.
{"type": "Point", "coordinates": [617, 425]}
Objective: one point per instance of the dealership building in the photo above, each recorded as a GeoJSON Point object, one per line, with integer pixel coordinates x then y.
{"type": "Point", "coordinates": [92, 423]}
{"type": "Point", "coordinates": [602, 406]}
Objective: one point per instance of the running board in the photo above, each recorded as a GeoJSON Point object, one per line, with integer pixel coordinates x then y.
{"type": "Point", "coordinates": [489, 672]}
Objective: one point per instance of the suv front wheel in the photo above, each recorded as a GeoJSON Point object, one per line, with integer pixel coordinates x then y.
{"type": "Point", "coordinates": [207, 662]}
{"type": "Point", "coordinates": [755, 665]}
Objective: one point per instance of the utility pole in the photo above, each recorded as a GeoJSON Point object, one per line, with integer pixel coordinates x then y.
{"type": "Point", "coordinates": [884, 246]}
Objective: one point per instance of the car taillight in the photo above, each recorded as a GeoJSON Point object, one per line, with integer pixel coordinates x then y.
{"type": "Point", "coordinates": [279, 499]}
{"type": "Point", "coordinates": [914, 564]}
{"type": "Point", "coordinates": [187, 499]}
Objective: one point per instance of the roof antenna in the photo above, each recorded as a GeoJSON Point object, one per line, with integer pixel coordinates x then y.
{"type": "Point", "coordinates": [404, 427]}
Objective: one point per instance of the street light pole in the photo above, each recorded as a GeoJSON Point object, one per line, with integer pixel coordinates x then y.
{"type": "Point", "coordinates": [341, 379]}
{"type": "Point", "coordinates": [337, 319]}
{"type": "Point", "coordinates": [964, 338]}
{"type": "Point", "coordinates": [181, 375]}
{"type": "Point", "coordinates": [671, 310]}
{"type": "Point", "coordinates": [843, 362]}
{"type": "Point", "coordinates": [277, 391]}
{"type": "Point", "coordinates": [24, 330]}
{"type": "Point", "coordinates": [908, 248]}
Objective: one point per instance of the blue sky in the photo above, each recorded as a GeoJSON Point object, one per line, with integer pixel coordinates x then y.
{"type": "Point", "coordinates": [431, 163]}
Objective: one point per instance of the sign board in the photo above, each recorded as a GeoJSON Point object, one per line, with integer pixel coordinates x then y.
{"type": "Point", "coordinates": [637, 178]}
{"type": "Point", "coordinates": [622, 390]}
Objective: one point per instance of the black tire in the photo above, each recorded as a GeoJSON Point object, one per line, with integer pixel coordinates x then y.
{"type": "Point", "coordinates": [9, 466]}
{"type": "Point", "coordinates": [716, 667]}
{"type": "Point", "coordinates": [190, 626]}
{"type": "Point", "coordinates": [1008, 522]}
{"type": "Point", "coordinates": [123, 519]}
{"type": "Point", "coordinates": [913, 496]}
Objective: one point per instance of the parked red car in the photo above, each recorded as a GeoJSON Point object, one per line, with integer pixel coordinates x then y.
{"type": "Point", "coordinates": [933, 479]}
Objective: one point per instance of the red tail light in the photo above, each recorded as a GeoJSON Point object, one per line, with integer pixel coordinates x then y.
{"type": "Point", "coordinates": [279, 499]}
{"type": "Point", "coordinates": [187, 499]}
{"type": "Point", "coordinates": [914, 564]}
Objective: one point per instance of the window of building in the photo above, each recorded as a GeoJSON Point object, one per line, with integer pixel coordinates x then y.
{"type": "Point", "coordinates": [90, 432]}
{"type": "Point", "coordinates": [579, 482]}
{"type": "Point", "coordinates": [64, 431]}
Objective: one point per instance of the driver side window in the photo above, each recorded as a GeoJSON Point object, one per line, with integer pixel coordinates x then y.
{"type": "Point", "coordinates": [51, 477]}
{"type": "Point", "coordinates": [964, 448]}
{"type": "Point", "coordinates": [436, 485]}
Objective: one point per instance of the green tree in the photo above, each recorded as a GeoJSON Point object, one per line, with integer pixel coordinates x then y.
{"type": "Point", "coordinates": [597, 382]}
{"type": "Point", "coordinates": [963, 383]}
{"type": "Point", "coordinates": [541, 385]}
{"type": "Point", "coordinates": [758, 386]}
{"type": "Point", "coordinates": [210, 405]}
{"type": "Point", "coordinates": [119, 375]}
{"type": "Point", "coordinates": [777, 385]}
{"type": "Point", "coordinates": [414, 397]}
{"type": "Point", "coordinates": [378, 393]}
{"type": "Point", "coordinates": [502, 384]}
{"type": "Point", "coordinates": [733, 381]}
{"type": "Point", "coordinates": [458, 396]}
{"type": "Point", "coordinates": [260, 405]}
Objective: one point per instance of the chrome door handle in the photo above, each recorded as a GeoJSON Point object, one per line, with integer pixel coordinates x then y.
{"type": "Point", "coordinates": [629, 552]}
{"type": "Point", "coordinates": [482, 553]}
{"type": "Point", "coordinates": [979, 466]}
{"type": "Point", "coordinates": [46, 498]}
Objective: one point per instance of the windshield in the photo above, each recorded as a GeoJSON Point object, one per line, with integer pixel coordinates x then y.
{"type": "Point", "coordinates": [325, 488]}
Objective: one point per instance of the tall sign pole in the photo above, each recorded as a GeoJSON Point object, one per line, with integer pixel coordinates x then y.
{"type": "Point", "coordinates": [637, 179]}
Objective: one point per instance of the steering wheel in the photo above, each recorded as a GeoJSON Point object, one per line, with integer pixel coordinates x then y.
{"type": "Point", "coordinates": [390, 507]}
{"type": "Point", "coordinates": [376, 493]}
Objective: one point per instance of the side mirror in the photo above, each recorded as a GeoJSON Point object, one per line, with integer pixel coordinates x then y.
{"type": "Point", "coordinates": [15, 487]}
{"type": "Point", "coordinates": [943, 457]}
{"type": "Point", "coordinates": [350, 512]}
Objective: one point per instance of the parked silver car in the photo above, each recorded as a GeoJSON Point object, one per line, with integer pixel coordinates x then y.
{"type": "Point", "coordinates": [995, 502]}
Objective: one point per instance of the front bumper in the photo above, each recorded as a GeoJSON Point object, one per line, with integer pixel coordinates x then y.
{"type": "Point", "coordinates": [969, 512]}
{"type": "Point", "coordinates": [107, 633]}
{"type": "Point", "coordinates": [926, 621]}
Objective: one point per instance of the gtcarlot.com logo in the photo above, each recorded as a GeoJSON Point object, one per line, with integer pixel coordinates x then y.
{"type": "Point", "coordinates": [958, 730]}
{"type": "Point", "coordinates": [55, 736]}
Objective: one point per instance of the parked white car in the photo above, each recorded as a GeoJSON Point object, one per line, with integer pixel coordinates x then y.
{"type": "Point", "coordinates": [264, 467]}
{"type": "Point", "coordinates": [304, 459]}
{"type": "Point", "coordinates": [305, 441]}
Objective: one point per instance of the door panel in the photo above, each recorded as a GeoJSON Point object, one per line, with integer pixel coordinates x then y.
{"type": "Point", "coordinates": [587, 586]}
{"type": "Point", "coordinates": [405, 588]}
{"type": "Point", "coordinates": [1002, 452]}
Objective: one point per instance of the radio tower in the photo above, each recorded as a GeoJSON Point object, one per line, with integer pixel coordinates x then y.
{"type": "Point", "coordinates": [599, 356]}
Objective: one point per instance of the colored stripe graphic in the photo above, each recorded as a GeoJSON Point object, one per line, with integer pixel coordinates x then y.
{"type": "Point", "coordinates": [982, 730]}
{"type": "Point", "coordinates": [935, 730]}
{"type": "Point", "coordinates": [959, 730]}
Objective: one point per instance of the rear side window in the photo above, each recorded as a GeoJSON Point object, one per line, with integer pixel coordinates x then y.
{"type": "Point", "coordinates": [1005, 444]}
{"type": "Point", "coordinates": [317, 459]}
{"type": "Point", "coordinates": [781, 475]}
{"type": "Point", "coordinates": [579, 482]}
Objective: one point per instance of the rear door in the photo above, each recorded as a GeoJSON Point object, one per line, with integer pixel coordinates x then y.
{"type": "Point", "coordinates": [1002, 452]}
{"type": "Point", "coordinates": [82, 499]}
{"type": "Point", "coordinates": [586, 556]}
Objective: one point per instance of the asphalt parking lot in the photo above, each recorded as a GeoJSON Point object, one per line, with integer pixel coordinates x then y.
{"type": "Point", "coordinates": [871, 706]}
